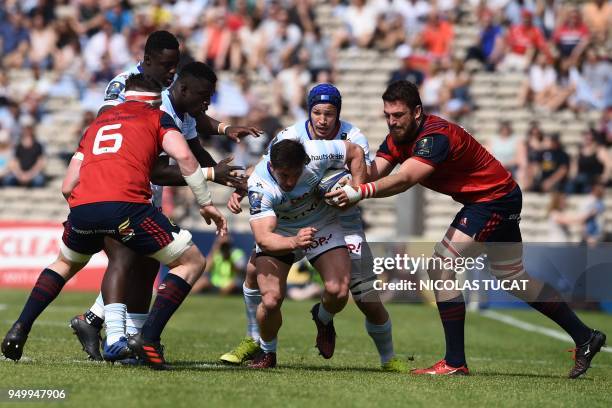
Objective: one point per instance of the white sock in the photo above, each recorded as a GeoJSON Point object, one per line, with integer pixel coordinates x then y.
{"type": "Point", "coordinates": [252, 299]}
{"type": "Point", "coordinates": [324, 316]}
{"type": "Point", "coordinates": [383, 339]}
{"type": "Point", "coordinates": [115, 321]}
{"type": "Point", "coordinates": [268, 346]}
{"type": "Point", "coordinates": [134, 322]}
{"type": "Point", "coordinates": [98, 307]}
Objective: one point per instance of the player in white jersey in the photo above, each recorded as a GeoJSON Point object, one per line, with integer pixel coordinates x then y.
{"type": "Point", "coordinates": [324, 103]}
{"type": "Point", "coordinates": [289, 219]}
{"type": "Point", "coordinates": [189, 95]}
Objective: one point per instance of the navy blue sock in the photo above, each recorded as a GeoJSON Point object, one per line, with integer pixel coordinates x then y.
{"type": "Point", "coordinates": [47, 287]}
{"type": "Point", "coordinates": [452, 314]}
{"type": "Point", "coordinates": [173, 290]}
{"type": "Point", "coordinates": [551, 305]}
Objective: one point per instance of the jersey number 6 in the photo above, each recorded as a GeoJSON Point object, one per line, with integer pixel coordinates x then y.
{"type": "Point", "coordinates": [116, 138]}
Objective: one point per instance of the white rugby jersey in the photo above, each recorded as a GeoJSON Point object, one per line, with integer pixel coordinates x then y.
{"type": "Point", "coordinates": [301, 207]}
{"type": "Point", "coordinates": [350, 219]}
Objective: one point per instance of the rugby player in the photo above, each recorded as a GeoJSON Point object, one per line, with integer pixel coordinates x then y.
{"type": "Point", "coordinates": [112, 199]}
{"type": "Point", "coordinates": [290, 220]}
{"type": "Point", "coordinates": [442, 156]}
{"type": "Point", "coordinates": [186, 103]}
{"type": "Point", "coordinates": [324, 106]}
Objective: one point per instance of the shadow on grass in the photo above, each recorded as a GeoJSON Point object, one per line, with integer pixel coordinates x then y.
{"type": "Point", "coordinates": [189, 365]}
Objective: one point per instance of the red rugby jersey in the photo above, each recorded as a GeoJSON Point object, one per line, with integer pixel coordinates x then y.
{"type": "Point", "coordinates": [119, 149]}
{"type": "Point", "coordinates": [464, 169]}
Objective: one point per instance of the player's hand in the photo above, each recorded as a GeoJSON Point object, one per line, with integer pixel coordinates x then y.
{"type": "Point", "coordinates": [344, 197]}
{"type": "Point", "coordinates": [210, 213]}
{"type": "Point", "coordinates": [235, 133]}
{"type": "Point", "coordinates": [230, 175]}
{"type": "Point", "coordinates": [233, 204]}
{"type": "Point", "coordinates": [305, 237]}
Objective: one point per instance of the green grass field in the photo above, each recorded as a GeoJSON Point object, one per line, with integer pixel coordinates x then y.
{"type": "Point", "coordinates": [510, 367]}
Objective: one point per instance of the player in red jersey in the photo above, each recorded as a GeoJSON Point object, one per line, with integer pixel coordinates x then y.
{"type": "Point", "coordinates": [444, 157]}
{"type": "Point", "coordinates": [112, 199]}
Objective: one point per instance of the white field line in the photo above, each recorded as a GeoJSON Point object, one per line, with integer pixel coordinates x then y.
{"type": "Point", "coordinates": [509, 320]}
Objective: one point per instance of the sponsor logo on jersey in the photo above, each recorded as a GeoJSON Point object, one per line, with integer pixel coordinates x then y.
{"type": "Point", "coordinates": [255, 202]}
{"type": "Point", "coordinates": [114, 90]}
{"type": "Point", "coordinates": [424, 147]}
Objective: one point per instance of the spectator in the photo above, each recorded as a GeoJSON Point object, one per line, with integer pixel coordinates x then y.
{"type": "Point", "coordinates": [9, 118]}
{"type": "Point", "coordinates": [43, 39]}
{"type": "Point", "coordinates": [456, 92]}
{"type": "Point", "coordinates": [539, 86]}
{"type": "Point", "coordinates": [529, 156]}
{"type": "Point", "coordinates": [28, 161]}
{"type": "Point", "coordinates": [15, 40]}
{"type": "Point", "coordinates": [504, 147]}
{"type": "Point", "coordinates": [521, 41]}
{"type": "Point", "coordinates": [67, 46]}
{"type": "Point", "coordinates": [554, 165]}
{"type": "Point", "coordinates": [594, 85]}
{"type": "Point", "coordinates": [558, 219]}
{"type": "Point", "coordinates": [6, 153]}
{"type": "Point", "coordinates": [409, 71]}
{"type": "Point", "coordinates": [598, 18]}
{"type": "Point", "coordinates": [389, 32]}
{"type": "Point", "coordinates": [590, 166]}
{"type": "Point", "coordinates": [489, 40]}
{"type": "Point", "coordinates": [186, 12]}
{"type": "Point", "coordinates": [591, 216]}
{"type": "Point", "coordinates": [224, 270]}
{"type": "Point", "coordinates": [290, 89]}
{"type": "Point", "coordinates": [281, 40]}
{"type": "Point", "coordinates": [414, 13]}
{"type": "Point", "coordinates": [217, 39]}
{"type": "Point", "coordinates": [119, 16]}
{"type": "Point", "coordinates": [563, 92]}
{"type": "Point", "coordinates": [90, 17]}
{"type": "Point", "coordinates": [432, 88]}
{"type": "Point", "coordinates": [572, 36]}
{"type": "Point", "coordinates": [317, 52]}
{"type": "Point", "coordinates": [547, 13]}
{"type": "Point", "coordinates": [437, 36]}
{"type": "Point", "coordinates": [513, 9]}
{"type": "Point", "coordinates": [360, 21]}
{"type": "Point", "coordinates": [105, 41]}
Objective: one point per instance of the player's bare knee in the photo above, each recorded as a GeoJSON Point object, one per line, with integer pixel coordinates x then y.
{"type": "Point", "coordinates": [337, 289]}
{"type": "Point", "coordinates": [272, 301]}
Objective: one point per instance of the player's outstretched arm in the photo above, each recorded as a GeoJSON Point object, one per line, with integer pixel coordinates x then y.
{"type": "Point", "coordinates": [379, 169]}
{"type": "Point", "coordinates": [276, 244]}
{"type": "Point", "coordinates": [411, 172]}
{"type": "Point", "coordinates": [209, 126]}
{"type": "Point", "coordinates": [165, 174]}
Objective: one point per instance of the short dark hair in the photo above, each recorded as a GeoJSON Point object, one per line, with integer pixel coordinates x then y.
{"type": "Point", "coordinates": [404, 91]}
{"type": "Point", "coordinates": [141, 82]}
{"type": "Point", "coordinates": [198, 70]}
{"type": "Point", "coordinates": [159, 41]}
{"type": "Point", "coordinates": [288, 154]}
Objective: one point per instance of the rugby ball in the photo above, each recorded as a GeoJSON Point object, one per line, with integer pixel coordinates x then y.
{"type": "Point", "coordinates": [333, 179]}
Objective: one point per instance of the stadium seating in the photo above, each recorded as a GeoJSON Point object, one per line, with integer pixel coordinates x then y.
{"type": "Point", "coordinates": [362, 78]}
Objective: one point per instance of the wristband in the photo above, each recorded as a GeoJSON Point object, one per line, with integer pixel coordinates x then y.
{"type": "Point", "coordinates": [221, 127]}
{"type": "Point", "coordinates": [209, 173]}
{"type": "Point", "coordinates": [367, 190]}
{"type": "Point", "coordinates": [197, 184]}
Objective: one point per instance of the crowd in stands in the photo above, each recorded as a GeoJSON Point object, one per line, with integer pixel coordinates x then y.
{"type": "Point", "coordinates": [74, 47]}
